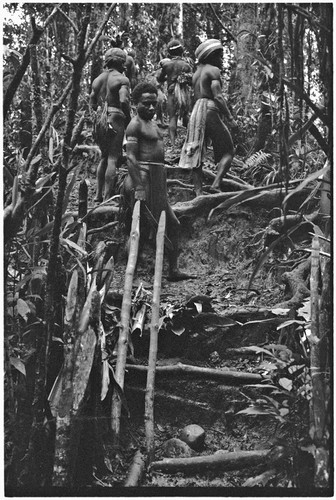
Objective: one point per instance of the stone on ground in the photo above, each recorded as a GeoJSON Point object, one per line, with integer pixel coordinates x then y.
{"type": "Point", "coordinates": [194, 436]}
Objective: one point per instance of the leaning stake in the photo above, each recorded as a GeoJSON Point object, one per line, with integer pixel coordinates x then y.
{"type": "Point", "coordinates": [154, 330]}
{"type": "Point", "coordinates": [124, 320]}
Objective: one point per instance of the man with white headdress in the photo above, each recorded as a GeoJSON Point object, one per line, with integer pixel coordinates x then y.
{"type": "Point", "coordinates": [206, 117]}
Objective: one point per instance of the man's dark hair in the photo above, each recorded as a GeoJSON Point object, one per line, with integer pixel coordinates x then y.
{"type": "Point", "coordinates": [143, 88]}
{"type": "Point", "coordinates": [212, 57]}
{"type": "Point", "coordinates": [175, 48]}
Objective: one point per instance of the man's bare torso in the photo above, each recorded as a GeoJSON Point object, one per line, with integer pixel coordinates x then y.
{"type": "Point", "coordinates": [150, 141]}
{"type": "Point", "coordinates": [174, 68]}
{"type": "Point", "coordinates": [202, 80]}
{"type": "Point", "coordinates": [107, 86]}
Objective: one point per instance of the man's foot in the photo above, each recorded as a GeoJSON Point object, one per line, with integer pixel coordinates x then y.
{"type": "Point", "coordinates": [180, 276]}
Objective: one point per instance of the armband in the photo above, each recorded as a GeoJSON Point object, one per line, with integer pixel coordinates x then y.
{"type": "Point", "coordinates": [131, 139]}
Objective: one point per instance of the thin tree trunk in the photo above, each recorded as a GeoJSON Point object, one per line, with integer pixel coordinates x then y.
{"type": "Point", "coordinates": [37, 33]}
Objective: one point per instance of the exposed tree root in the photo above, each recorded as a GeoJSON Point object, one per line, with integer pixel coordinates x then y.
{"type": "Point", "coordinates": [296, 281]}
{"type": "Point", "coordinates": [280, 225]}
{"type": "Point", "coordinates": [196, 371]}
{"type": "Point", "coordinates": [173, 398]}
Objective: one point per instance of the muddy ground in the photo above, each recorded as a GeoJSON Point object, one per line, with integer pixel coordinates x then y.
{"type": "Point", "coordinates": [222, 253]}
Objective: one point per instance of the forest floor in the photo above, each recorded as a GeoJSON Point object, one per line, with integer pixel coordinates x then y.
{"type": "Point", "coordinates": [222, 253]}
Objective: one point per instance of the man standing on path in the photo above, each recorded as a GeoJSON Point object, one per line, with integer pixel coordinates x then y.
{"type": "Point", "coordinates": [109, 100]}
{"type": "Point", "coordinates": [178, 74]}
{"type": "Point", "coordinates": [146, 180]}
{"type": "Point", "coordinates": [206, 117]}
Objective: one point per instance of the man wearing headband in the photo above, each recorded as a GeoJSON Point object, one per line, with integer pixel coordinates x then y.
{"type": "Point", "coordinates": [110, 98]}
{"type": "Point", "coordinates": [206, 118]}
{"type": "Point", "coordinates": [177, 72]}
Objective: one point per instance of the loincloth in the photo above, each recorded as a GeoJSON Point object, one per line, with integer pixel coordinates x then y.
{"type": "Point", "coordinates": [103, 129]}
{"type": "Point", "coordinates": [181, 95]}
{"type": "Point", "coordinates": [158, 187]}
{"type": "Point", "coordinates": [194, 145]}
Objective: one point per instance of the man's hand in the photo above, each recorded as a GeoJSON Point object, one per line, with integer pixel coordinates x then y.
{"type": "Point", "coordinates": [233, 124]}
{"type": "Point", "coordinates": [140, 194]}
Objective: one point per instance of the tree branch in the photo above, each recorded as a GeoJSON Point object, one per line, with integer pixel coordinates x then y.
{"type": "Point", "coordinates": [231, 36]}
{"type": "Point", "coordinates": [13, 86]}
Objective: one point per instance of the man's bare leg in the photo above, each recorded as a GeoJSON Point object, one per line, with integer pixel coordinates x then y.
{"type": "Point", "coordinates": [172, 129]}
{"type": "Point", "coordinates": [110, 178]}
{"type": "Point", "coordinates": [100, 179]}
{"type": "Point", "coordinates": [223, 167]}
{"type": "Point", "coordinates": [197, 180]}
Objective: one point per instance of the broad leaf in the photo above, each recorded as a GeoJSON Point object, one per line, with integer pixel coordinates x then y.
{"type": "Point", "coordinates": [23, 309]}
{"type": "Point", "coordinates": [18, 365]}
{"type": "Point", "coordinates": [71, 296]}
{"type": "Point", "coordinates": [178, 330]}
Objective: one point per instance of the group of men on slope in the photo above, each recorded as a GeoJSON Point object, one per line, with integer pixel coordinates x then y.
{"type": "Point", "coordinates": [146, 179]}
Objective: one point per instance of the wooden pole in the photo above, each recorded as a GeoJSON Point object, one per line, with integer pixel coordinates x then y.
{"type": "Point", "coordinates": [124, 321]}
{"type": "Point", "coordinates": [154, 330]}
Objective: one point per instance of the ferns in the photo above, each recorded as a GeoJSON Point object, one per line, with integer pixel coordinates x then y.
{"type": "Point", "coordinates": [258, 167]}
{"type": "Point", "coordinates": [257, 159]}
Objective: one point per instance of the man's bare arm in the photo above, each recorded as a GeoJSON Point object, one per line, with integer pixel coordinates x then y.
{"type": "Point", "coordinates": [132, 163]}
{"type": "Point", "coordinates": [94, 99]}
{"type": "Point", "coordinates": [216, 90]}
{"type": "Point", "coordinates": [124, 98]}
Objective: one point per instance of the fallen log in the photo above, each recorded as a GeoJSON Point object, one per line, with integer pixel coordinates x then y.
{"type": "Point", "coordinates": [235, 315]}
{"type": "Point", "coordinates": [136, 470]}
{"type": "Point", "coordinates": [196, 371]}
{"type": "Point", "coordinates": [202, 464]}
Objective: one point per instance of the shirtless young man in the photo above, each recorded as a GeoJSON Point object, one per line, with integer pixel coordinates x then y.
{"type": "Point", "coordinates": [177, 72]}
{"type": "Point", "coordinates": [146, 180]}
{"type": "Point", "coordinates": [110, 98]}
{"type": "Point", "coordinates": [206, 120]}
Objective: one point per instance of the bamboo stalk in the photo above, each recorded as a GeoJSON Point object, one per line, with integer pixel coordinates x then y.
{"type": "Point", "coordinates": [124, 321]}
{"type": "Point", "coordinates": [318, 401]}
{"type": "Point", "coordinates": [153, 346]}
